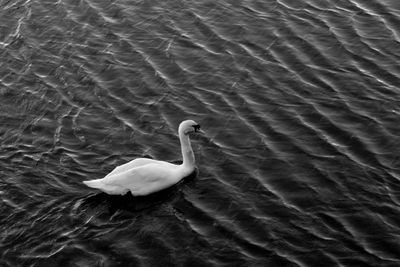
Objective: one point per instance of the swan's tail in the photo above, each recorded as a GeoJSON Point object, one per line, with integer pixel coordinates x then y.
{"type": "Point", "coordinates": [94, 183]}
{"type": "Point", "coordinates": [109, 189]}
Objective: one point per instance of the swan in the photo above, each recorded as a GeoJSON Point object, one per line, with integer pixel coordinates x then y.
{"type": "Point", "coordinates": [143, 176]}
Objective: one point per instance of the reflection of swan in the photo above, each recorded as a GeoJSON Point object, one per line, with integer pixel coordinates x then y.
{"type": "Point", "coordinates": [144, 176]}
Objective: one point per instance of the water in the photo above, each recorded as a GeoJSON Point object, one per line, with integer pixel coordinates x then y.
{"type": "Point", "coordinates": [299, 101]}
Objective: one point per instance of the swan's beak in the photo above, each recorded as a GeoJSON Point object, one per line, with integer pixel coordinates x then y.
{"type": "Point", "coordinates": [196, 128]}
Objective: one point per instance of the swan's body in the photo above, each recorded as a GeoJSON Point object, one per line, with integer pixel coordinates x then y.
{"type": "Point", "coordinates": [144, 176]}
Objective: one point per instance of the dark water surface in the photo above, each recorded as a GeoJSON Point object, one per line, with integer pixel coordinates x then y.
{"type": "Point", "coordinates": [299, 100]}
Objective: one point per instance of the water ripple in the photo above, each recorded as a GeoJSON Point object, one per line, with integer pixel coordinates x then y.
{"type": "Point", "coordinates": [298, 101]}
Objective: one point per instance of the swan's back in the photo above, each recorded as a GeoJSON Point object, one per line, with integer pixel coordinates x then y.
{"type": "Point", "coordinates": [131, 164]}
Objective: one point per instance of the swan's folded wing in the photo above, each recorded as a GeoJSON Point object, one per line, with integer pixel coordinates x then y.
{"type": "Point", "coordinates": [130, 165]}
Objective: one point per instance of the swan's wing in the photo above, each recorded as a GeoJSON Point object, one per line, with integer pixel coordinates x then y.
{"type": "Point", "coordinates": [131, 164]}
{"type": "Point", "coordinates": [145, 179]}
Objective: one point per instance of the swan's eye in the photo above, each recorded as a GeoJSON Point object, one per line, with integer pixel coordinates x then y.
{"type": "Point", "coordinates": [196, 127]}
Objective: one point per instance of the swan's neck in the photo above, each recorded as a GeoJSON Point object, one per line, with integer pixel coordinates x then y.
{"type": "Point", "coordinates": [187, 152]}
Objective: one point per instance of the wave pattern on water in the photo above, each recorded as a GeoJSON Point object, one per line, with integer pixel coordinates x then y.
{"type": "Point", "coordinates": [299, 101]}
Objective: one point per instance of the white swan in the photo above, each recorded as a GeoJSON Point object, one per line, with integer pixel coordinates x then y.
{"type": "Point", "coordinates": [144, 176]}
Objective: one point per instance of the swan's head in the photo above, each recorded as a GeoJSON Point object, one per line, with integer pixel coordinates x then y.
{"type": "Point", "coordinates": [189, 126]}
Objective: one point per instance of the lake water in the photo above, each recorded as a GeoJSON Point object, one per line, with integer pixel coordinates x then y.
{"type": "Point", "coordinates": [299, 164]}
